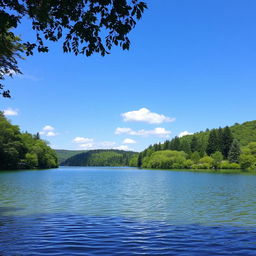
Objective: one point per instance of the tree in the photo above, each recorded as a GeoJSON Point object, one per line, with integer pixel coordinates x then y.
{"type": "Point", "coordinates": [166, 145]}
{"type": "Point", "coordinates": [185, 146]}
{"type": "Point", "coordinates": [234, 152]}
{"type": "Point", "coordinates": [212, 145]}
{"type": "Point", "coordinates": [85, 27]}
{"type": "Point", "coordinates": [139, 160]}
{"type": "Point", "coordinates": [11, 50]}
{"type": "Point", "coordinates": [227, 139]}
{"type": "Point", "coordinates": [248, 157]}
{"type": "Point", "coordinates": [22, 150]}
{"type": "Point", "coordinates": [194, 144]}
{"type": "Point", "coordinates": [217, 158]}
{"type": "Point", "coordinates": [247, 162]}
{"type": "Point", "coordinates": [205, 162]}
{"type": "Point", "coordinates": [220, 142]}
{"type": "Point", "coordinates": [176, 143]}
{"type": "Point", "coordinates": [195, 157]}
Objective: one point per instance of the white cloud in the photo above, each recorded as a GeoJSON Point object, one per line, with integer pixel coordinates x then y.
{"type": "Point", "coordinates": [82, 140]}
{"type": "Point", "coordinates": [185, 133]}
{"type": "Point", "coordinates": [123, 147]}
{"type": "Point", "coordinates": [48, 131]}
{"type": "Point", "coordinates": [48, 128]}
{"type": "Point", "coordinates": [145, 115]}
{"type": "Point", "coordinates": [159, 131]}
{"type": "Point", "coordinates": [129, 141]}
{"type": "Point", "coordinates": [10, 112]}
{"type": "Point", "coordinates": [51, 134]}
{"type": "Point", "coordinates": [89, 143]}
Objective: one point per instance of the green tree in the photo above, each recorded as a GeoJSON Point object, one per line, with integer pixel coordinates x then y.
{"type": "Point", "coordinates": [206, 162]}
{"type": "Point", "coordinates": [23, 150]}
{"type": "Point", "coordinates": [227, 139]}
{"type": "Point", "coordinates": [166, 159]}
{"type": "Point", "coordinates": [139, 160]}
{"type": "Point", "coordinates": [84, 27]}
{"type": "Point", "coordinates": [10, 53]}
{"type": "Point", "coordinates": [217, 158]}
{"type": "Point", "coordinates": [195, 157]}
{"type": "Point", "coordinates": [212, 145]}
{"type": "Point", "coordinates": [248, 156]}
{"type": "Point", "coordinates": [31, 160]}
{"type": "Point", "coordinates": [166, 145]}
{"type": "Point", "coordinates": [247, 161]}
{"type": "Point", "coordinates": [234, 152]}
{"type": "Point", "coordinates": [194, 144]}
{"type": "Point", "coordinates": [219, 137]}
{"type": "Point", "coordinates": [185, 146]}
{"type": "Point", "coordinates": [176, 144]}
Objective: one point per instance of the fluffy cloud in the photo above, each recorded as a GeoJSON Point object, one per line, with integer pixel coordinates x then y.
{"type": "Point", "coordinates": [89, 143]}
{"type": "Point", "coordinates": [82, 140]}
{"type": "Point", "coordinates": [184, 134]}
{"type": "Point", "coordinates": [145, 115]}
{"type": "Point", "coordinates": [48, 131]}
{"type": "Point", "coordinates": [123, 147]}
{"type": "Point", "coordinates": [159, 131]}
{"type": "Point", "coordinates": [10, 112]}
{"type": "Point", "coordinates": [129, 141]}
{"type": "Point", "coordinates": [51, 134]}
{"type": "Point", "coordinates": [48, 128]}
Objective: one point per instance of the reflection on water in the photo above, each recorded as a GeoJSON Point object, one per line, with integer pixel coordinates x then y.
{"type": "Point", "coordinates": [123, 210]}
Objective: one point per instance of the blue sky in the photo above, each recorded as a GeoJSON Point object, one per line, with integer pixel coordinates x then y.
{"type": "Point", "coordinates": [194, 61]}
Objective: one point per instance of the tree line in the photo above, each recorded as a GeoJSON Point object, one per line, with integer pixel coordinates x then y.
{"type": "Point", "coordinates": [20, 150]}
{"type": "Point", "coordinates": [212, 149]}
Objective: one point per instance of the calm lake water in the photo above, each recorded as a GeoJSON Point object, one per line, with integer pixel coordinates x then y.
{"type": "Point", "coordinates": [126, 211]}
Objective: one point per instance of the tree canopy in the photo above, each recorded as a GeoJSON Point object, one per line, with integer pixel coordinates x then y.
{"type": "Point", "coordinates": [23, 150]}
{"type": "Point", "coordinates": [83, 26]}
{"type": "Point", "coordinates": [212, 149]}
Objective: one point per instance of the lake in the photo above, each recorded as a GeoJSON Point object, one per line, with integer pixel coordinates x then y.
{"type": "Point", "coordinates": [126, 211]}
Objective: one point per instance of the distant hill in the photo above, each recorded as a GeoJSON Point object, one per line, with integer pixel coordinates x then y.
{"type": "Point", "coordinates": [244, 133]}
{"type": "Point", "coordinates": [100, 158]}
{"type": "Point", "coordinates": [63, 154]}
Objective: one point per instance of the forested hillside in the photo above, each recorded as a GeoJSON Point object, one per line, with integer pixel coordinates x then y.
{"type": "Point", "coordinates": [63, 154]}
{"type": "Point", "coordinates": [244, 133]}
{"type": "Point", "coordinates": [101, 158]}
{"type": "Point", "coordinates": [23, 150]}
{"type": "Point", "coordinates": [226, 148]}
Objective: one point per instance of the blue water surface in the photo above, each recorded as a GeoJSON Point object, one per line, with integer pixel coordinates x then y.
{"type": "Point", "coordinates": [126, 211]}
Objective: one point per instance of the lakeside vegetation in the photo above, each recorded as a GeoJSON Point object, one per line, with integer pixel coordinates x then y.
{"type": "Point", "coordinates": [229, 148]}
{"type": "Point", "coordinates": [63, 154]}
{"type": "Point", "coordinates": [101, 157]}
{"type": "Point", "coordinates": [23, 150]}
{"type": "Point", "coordinates": [224, 148]}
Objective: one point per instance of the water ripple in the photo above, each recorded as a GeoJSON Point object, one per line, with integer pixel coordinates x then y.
{"type": "Point", "coordinates": [57, 234]}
